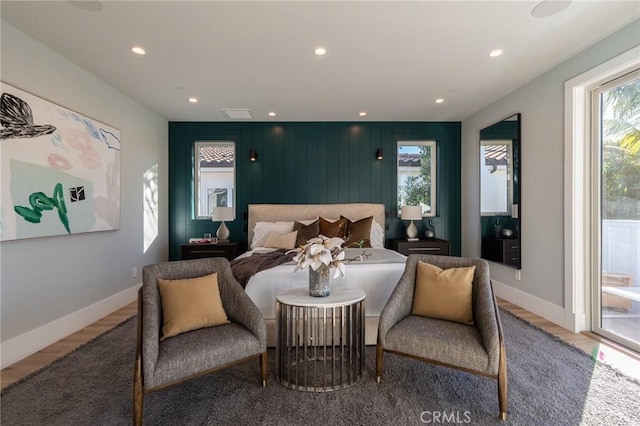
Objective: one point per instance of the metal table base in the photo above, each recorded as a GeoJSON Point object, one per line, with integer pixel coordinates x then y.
{"type": "Point", "coordinates": [320, 340]}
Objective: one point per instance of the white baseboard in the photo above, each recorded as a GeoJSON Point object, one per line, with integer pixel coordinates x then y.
{"type": "Point", "coordinates": [540, 307]}
{"type": "Point", "coordinates": [20, 347]}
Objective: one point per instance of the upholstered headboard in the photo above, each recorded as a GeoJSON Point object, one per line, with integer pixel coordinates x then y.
{"type": "Point", "coordinates": [292, 212]}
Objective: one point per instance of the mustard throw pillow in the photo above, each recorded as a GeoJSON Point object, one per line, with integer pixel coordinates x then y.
{"type": "Point", "coordinates": [443, 293]}
{"type": "Point", "coordinates": [190, 304]}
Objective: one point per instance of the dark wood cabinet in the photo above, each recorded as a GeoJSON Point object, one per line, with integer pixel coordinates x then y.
{"type": "Point", "coordinates": [435, 246]}
{"type": "Point", "coordinates": [503, 250]}
{"type": "Point", "coordinates": [230, 250]}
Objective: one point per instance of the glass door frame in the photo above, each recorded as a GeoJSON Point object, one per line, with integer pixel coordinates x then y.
{"type": "Point", "coordinates": [596, 210]}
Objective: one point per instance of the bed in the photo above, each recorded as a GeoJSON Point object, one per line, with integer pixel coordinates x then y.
{"type": "Point", "coordinates": [377, 274]}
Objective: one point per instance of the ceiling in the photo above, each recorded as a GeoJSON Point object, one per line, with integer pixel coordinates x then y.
{"type": "Point", "coordinates": [391, 59]}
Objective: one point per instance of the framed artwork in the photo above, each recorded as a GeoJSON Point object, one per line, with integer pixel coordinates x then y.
{"type": "Point", "coordinates": [59, 170]}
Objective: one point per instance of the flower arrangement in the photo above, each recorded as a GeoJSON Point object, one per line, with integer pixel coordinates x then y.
{"type": "Point", "coordinates": [320, 254]}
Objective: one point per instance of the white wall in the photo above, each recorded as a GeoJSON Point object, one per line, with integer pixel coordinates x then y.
{"type": "Point", "coordinates": [541, 102]}
{"type": "Point", "coordinates": [56, 285]}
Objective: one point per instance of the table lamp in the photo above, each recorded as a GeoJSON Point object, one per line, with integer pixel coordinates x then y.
{"type": "Point", "coordinates": [411, 213]}
{"type": "Point", "coordinates": [220, 214]}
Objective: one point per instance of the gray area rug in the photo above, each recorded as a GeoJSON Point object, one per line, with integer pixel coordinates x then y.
{"type": "Point", "coordinates": [550, 383]}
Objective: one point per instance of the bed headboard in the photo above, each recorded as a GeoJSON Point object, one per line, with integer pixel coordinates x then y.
{"type": "Point", "coordinates": [292, 212]}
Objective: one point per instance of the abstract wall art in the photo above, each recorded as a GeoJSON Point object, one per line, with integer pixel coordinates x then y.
{"type": "Point", "coordinates": [60, 170]}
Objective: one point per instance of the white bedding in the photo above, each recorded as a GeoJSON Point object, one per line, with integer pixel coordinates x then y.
{"type": "Point", "coordinates": [377, 280]}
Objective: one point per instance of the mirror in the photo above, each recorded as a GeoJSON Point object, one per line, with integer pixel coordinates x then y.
{"type": "Point", "coordinates": [500, 205]}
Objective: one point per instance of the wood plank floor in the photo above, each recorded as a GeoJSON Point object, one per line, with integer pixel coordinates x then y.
{"type": "Point", "coordinates": [618, 357]}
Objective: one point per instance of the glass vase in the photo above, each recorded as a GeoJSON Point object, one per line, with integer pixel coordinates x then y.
{"type": "Point", "coordinates": [319, 281]}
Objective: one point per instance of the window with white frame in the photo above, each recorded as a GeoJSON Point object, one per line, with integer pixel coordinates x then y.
{"type": "Point", "coordinates": [214, 176]}
{"type": "Point", "coordinates": [417, 175]}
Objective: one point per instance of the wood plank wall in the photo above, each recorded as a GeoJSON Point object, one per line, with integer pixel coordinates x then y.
{"type": "Point", "coordinates": [312, 162]}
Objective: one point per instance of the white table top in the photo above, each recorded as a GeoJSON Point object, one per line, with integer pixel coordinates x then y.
{"type": "Point", "coordinates": [337, 297]}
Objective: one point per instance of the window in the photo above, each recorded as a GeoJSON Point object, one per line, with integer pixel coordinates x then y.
{"type": "Point", "coordinates": [214, 176]}
{"type": "Point", "coordinates": [496, 177]}
{"type": "Point", "coordinates": [417, 175]}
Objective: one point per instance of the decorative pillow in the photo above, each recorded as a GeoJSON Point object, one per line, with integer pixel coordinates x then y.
{"type": "Point", "coordinates": [443, 294]}
{"type": "Point", "coordinates": [306, 232]}
{"type": "Point", "coordinates": [262, 229]}
{"type": "Point", "coordinates": [190, 304]}
{"type": "Point", "coordinates": [377, 235]}
{"type": "Point", "coordinates": [331, 229]}
{"type": "Point", "coordinates": [358, 232]}
{"type": "Point", "coordinates": [284, 241]}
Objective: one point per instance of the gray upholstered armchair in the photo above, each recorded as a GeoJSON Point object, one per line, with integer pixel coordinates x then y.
{"type": "Point", "coordinates": [477, 348]}
{"type": "Point", "coordinates": [163, 363]}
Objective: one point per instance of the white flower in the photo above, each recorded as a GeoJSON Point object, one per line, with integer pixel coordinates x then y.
{"type": "Point", "coordinates": [320, 252]}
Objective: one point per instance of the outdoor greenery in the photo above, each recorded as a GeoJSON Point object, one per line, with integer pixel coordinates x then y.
{"type": "Point", "coordinates": [621, 152]}
{"type": "Point", "coordinates": [417, 189]}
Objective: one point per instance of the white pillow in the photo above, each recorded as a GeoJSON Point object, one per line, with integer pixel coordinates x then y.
{"type": "Point", "coordinates": [377, 235]}
{"type": "Point", "coordinates": [281, 241]}
{"type": "Point", "coordinates": [262, 230]}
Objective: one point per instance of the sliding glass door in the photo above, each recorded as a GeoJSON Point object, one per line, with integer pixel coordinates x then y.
{"type": "Point", "coordinates": [616, 212]}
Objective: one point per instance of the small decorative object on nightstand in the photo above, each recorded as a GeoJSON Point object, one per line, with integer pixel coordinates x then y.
{"type": "Point", "coordinates": [433, 246]}
{"type": "Point", "coordinates": [430, 231]}
{"type": "Point", "coordinates": [220, 214]}
{"type": "Point", "coordinates": [411, 213]}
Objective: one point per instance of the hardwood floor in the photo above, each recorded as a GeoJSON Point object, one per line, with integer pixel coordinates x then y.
{"type": "Point", "coordinates": [620, 358]}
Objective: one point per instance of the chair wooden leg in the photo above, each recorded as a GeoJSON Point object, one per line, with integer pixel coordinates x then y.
{"type": "Point", "coordinates": [502, 383]}
{"type": "Point", "coordinates": [138, 394]}
{"type": "Point", "coordinates": [379, 353]}
{"type": "Point", "coordinates": [263, 368]}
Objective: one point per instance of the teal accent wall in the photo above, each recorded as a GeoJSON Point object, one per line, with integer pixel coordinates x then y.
{"type": "Point", "coordinates": [312, 163]}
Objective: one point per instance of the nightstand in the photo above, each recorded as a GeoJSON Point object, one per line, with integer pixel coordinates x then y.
{"type": "Point", "coordinates": [503, 250]}
{"type": "Point", "coordinates": [435, 246]}
{"type": "Point", "coordinates": [229, 249]}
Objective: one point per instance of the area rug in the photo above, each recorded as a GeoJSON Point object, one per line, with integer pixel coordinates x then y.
{"type": "Point", "coordinates": [550, 383]}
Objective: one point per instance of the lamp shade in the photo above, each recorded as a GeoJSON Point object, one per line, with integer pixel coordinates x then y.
{"type": "Point", "coordinates": [220, 214]}
{"type": "Point", "coordinates": [411, 213]}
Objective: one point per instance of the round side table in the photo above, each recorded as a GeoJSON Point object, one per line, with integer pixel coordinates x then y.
{"type": "Point", "coordinates": [320, 340]}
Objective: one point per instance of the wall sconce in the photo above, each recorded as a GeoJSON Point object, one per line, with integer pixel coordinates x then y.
{"type": "Point", "coordinates": [379, 154]}
{"type": "Point", "coordinates": [253, 155]}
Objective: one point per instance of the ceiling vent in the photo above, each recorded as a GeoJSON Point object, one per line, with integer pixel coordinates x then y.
{"type": "Point", "coordinates": [237, 113]}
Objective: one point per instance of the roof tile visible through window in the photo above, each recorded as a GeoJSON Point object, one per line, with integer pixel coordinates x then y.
{"type": "Point", "coordinates": [409, 160]}
{"type": "Point", "coordinates": [217, 156]}
{"type": "Point", "coordinates": [495, 154]}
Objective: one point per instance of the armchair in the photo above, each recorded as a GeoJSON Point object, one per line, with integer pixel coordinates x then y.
{"type": "Point", "coordinates": [163, 363]}
{"type": "Point", "coordinates": [477, 349]}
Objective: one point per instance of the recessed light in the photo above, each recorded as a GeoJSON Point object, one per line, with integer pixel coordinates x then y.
{"type": "Point", "coordinates": [320, 51]}
{"type": "Point", "coordinates": [272, 114]}
{"type": "Point", "coordinates": [495, 53]}
{"type": "Point", "coordinates": [362, 114]}
{"type": "Point", "coordinates": [138, 50]}
{"type": "Point", "coordinates": [193, 100]}
{"type": "Point", "coordinates": [439, 100]}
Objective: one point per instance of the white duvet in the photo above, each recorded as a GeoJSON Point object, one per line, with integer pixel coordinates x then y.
{"type": "Point", "coordinates": [377, 280]}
